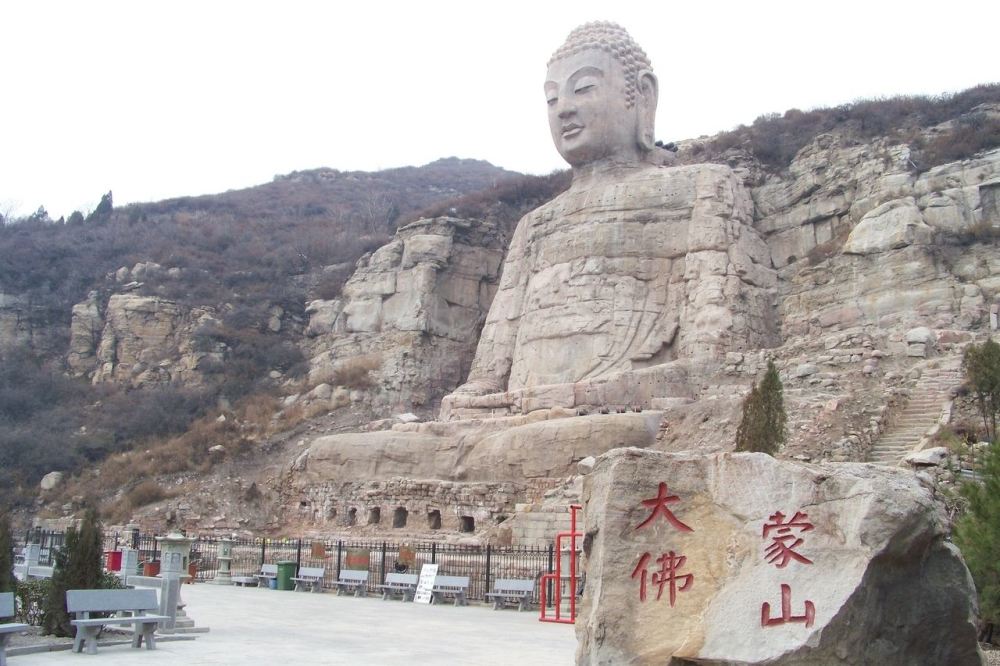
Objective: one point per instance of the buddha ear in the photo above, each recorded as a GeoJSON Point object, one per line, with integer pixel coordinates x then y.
{"type": "Point", "coordinates": [645, 108]}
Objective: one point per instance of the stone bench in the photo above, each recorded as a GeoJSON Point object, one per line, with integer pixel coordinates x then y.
{"type": "Point", "coordinates": [135, 603]}
{"type": "Point", "coordinates": [268, 572]}
{"type": "Point", "coordinates": [402, 584]}
{"type": "Point", "coordinates": [454, 586]}
{"type": "Point", "coordinates": [352, 581]}
{"type": "Point", "coordinates": [512, 590]}
{"type": "Point", "coordinates": [7, 629]}
{"type": "Point", "coordinates": [310, 579]}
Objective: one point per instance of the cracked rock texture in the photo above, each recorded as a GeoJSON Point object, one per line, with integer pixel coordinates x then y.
{"type": "Point", "coordinates": [868, 548]}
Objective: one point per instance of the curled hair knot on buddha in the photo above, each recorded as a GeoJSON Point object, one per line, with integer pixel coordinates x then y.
{"type": "Point", "coordinates": [614, 39]}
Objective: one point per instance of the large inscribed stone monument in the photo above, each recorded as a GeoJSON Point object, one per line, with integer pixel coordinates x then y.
{"type": "Point", "coordinates": [744, 559]}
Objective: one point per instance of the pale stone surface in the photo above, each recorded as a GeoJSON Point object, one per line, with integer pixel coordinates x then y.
{"type": "Point", "coordinates": [50, 481]}
{"type": "Point", "coordinates": [511, 449]}
{"type": "Point", "coordinates": [921, 334]}
{"type": "Point", "coordinates": [85, 330]}
{"type": "Point", "coordinates": [891, 226]}
{"type": "Point", "coordinates": [928, 457]}
{"type": "Point", "coordinates": [414, 304]}
{"type": "Point", "coordinates": [139, 339]}
{"type": "Point", "coordinates": [884, 583]}
{"type": "Point", "coordinates": [322, 316]}
{"type": "Point", "coordinates": [647, 271]}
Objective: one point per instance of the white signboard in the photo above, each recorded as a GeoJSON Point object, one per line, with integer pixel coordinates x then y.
{"type": "Point", "coordinates": [425, 583]}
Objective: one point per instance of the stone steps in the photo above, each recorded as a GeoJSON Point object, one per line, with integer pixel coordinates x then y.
{"type": "Point", "coordinates": [928, 399]}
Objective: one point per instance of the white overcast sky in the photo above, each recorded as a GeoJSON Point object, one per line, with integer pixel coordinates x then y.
{"type": "Point", "coordinates": [155, 99]}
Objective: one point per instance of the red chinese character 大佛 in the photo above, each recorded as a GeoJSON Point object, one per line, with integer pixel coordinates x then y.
{"type": "Point", "coordinates": [658, 505]}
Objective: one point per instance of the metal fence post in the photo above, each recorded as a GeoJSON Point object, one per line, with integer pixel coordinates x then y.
{"type": "Point", "coordinates": [434, 553]}
{"type": "Point", "coordinates": [340, 552]}
{"type": "Point", "coordinates": [298, 556]}
{"type": "Point", "coordinates": [384, 547]}
{"type": "Point", "coordinates": [263, 551]}
{"type": "Point", "coordinates": [489, 552]}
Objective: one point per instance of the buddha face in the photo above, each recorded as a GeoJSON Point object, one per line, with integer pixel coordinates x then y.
{"type": "Point", "coordinates": [588, 117]}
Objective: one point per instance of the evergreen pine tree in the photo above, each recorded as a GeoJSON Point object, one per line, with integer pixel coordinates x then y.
{"type": "Point", "coordinates": [7, 581]}
{"type": "Point", "coordinates": [982, 372]}
{"type": "Point", "coordinates": [977, 533]}
{"type": "Point", "coordinates": [77, 567]}
{"type": "Point", "coordinates": [762, 427]}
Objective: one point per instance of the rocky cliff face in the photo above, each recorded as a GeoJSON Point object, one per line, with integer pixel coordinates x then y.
{"type": "Point", "coordinates": [412, 312]}
{"type": "Point", "coordinates": [133, 340]}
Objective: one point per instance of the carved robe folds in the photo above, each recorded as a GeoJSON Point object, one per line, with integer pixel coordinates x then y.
{"type": "Point", "coordinates": [644, 266]}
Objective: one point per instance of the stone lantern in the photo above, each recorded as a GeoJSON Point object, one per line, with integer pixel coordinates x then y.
{"type": "Point", "coordinates": [175, 552]}
{"type": "Point", "coordinates": [224, 575]}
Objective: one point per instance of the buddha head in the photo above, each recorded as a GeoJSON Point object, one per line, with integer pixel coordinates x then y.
{"type": "Point", "coordinates": [601, 93]}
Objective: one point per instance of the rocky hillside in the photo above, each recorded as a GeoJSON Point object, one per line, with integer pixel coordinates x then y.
{"type": "Point", "coordinates": [880, 221]}
{"type": "Point", "coordinates": [178, 306]}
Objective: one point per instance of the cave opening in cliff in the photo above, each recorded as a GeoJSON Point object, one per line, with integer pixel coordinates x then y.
{"type": "Point", "coordinates": [399, 517]}
{"type": "Point", "coordinates": [467, 524]}
{"type": "Point", "coordinates": [374, 515]}
{"type": "Point", "coordinates": [434, 519]}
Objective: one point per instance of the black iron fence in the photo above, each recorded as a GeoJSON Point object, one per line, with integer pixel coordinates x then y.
{"type": "Point", "coordinates": [482, 564]}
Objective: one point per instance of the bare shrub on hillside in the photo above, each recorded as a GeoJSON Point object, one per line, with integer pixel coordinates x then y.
{"type": "Point", "coordinates": [356, 372]}
{"type": "Point", "coordinates": [775, 139]}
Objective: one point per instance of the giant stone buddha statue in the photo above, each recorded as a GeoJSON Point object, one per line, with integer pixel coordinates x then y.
{"type": "Point", "coordinates": [636, 265]}
{"type": "Point", "coordinates": [627, 290]}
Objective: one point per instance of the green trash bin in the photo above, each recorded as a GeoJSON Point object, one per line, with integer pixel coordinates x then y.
{"type": "Point", "coordinates": [286, 572]}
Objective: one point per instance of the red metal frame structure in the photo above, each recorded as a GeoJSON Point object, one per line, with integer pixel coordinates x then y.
{"type": "Point", "coordinates": [556, 577]}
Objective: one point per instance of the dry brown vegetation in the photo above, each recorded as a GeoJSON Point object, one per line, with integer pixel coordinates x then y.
{"type": "Point", "coordinates": [774, 139]}
{"type": "Point", "coordinates": [355, 373]}
{"type": "Point", "coordinates": [237, 431]}
{"type": "Point", "coordinates": [506, 202]}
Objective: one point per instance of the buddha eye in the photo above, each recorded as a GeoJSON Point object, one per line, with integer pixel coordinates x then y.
{"type": "Point", "coordinates": [585, 85]}
{"type": "Point", "coordinates": [551, 101]}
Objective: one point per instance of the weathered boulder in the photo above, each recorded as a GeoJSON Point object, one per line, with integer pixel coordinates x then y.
{"type": "Point", "coordinates": [50, 481]}
{"type": "Point", "coordinates": [891, 226]}
{"type": "Point", "coordinates": [744, 559]}
{"type": "Point", "coordinates": [931, 457]}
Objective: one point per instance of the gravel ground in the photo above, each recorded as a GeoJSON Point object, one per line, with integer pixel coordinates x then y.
{"type": "Point", "coordinates": [992, 656]}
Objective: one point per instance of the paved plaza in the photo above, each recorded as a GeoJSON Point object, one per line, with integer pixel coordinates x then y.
{"type": "Point", "coordinates": [270, 627]}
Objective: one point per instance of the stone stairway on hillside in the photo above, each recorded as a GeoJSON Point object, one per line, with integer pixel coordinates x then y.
{"type": "Point", "coordinates": [927, 402]}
